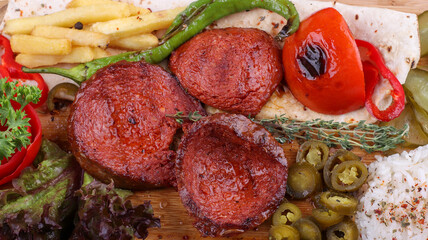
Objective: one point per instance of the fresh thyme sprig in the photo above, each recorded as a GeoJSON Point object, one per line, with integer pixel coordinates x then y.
{"type": "Point", "coordinates": [369, 137]}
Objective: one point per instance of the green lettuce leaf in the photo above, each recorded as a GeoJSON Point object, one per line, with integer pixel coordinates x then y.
{"type": "Point", "coordinates": [42, 202]}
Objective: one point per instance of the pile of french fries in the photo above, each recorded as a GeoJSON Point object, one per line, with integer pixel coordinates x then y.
{"type": "Point", "coordinates": [84, 31]}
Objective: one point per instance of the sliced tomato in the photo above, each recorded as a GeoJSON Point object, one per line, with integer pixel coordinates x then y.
{"type": "Point", "coordinates": [322, 64]}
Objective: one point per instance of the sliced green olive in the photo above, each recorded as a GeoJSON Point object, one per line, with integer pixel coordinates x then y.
{"type": "Point", "coordinates": [308, 230]}
{"type": "Point", "coordinates": [303, 180]}
{"type": "Point", "coordinates": [349, 176]}
{"type": "Point", "coordinates": [326, 218]}
{"type": "Point", "coordinates": [346, 230]}
{"type": "Point", "coordinates": [283, 232]}
{"type": "Point", "coordinates": [339, 202]}
{"type": "Point", "coordinates": [286, 214]}
{"type": "Point", "coordinates": [339, 157]}
{"type": "Point", "coordinates": [423, 32]}
{"type": "Point", "coordinates": [313, 152]}
{"type": "Point", "coordinates": [66, 91]}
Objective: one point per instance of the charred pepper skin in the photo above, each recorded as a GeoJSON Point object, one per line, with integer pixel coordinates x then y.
{"type": "Point", "coordinates": [187, 24]}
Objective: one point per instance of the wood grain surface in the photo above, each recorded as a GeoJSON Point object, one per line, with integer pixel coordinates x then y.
{"type": "Point", "coordinates": [176, 223]}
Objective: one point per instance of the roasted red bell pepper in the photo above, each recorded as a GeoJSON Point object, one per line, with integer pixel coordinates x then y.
{"type": "Point", "coordinates": [14, 69]}
{"type": "Point", "coordinates": [375, 68]}
{"type": "Point", "coordinates": [22, 159]}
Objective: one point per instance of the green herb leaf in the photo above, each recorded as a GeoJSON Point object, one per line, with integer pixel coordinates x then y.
{"type": "Point", "coordinates": [14, 134]}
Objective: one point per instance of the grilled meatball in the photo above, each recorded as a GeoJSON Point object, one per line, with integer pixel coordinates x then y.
{"type": "Point", "coordinates": [233, 69]}
{"type": "Point", "coordinates": [118, 129]}
{"type": "Point", "coordinates": [231, 174]}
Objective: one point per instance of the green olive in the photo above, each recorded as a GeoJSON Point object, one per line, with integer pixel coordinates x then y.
{"type": "Point", "coordinates": [326, 218]}
{"type": "Point", "coordinates": [349, 176]}
{"type": "Point", "coordinates": [283, 232]}
{"type": "Point", "coordinates": [339, 202]}
{"type": "Point", "coordinates": [346, 230]}
{"type": "Point", "coordinates": [339, 157]}
{"type": "Point", "coordinates": [286, 214]}
{"type": "Point", "coordinates": [308, 230]}
{"type": "Point", "coordinates": [66, 91]}
{"type": "Point", "coordinates": [313, 152]}
{"type": "Point", "coordinates": [303, 180]}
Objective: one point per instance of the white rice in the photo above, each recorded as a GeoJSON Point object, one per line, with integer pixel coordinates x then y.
{"type": "Point", "coordinates": [393, 203]}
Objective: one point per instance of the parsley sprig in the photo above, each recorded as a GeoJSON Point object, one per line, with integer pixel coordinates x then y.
{"type": "Point", "coordinates": [369, 137]}
{"type": "Point", "coordinates": [13, 122]}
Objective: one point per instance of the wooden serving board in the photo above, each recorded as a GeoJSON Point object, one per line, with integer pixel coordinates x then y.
{"type": "Point", "coordinates": [176, 223]}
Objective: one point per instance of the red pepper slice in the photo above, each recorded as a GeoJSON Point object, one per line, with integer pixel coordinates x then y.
{"type": "Point", "coordinates": [29, 153]}
{"type": "Point", "coordinates": [374, 68]}
{"type": "Point", "coordinates": [15, 72]}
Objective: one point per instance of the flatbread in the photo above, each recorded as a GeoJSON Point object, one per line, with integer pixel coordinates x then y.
{"type": "Point", "coordinates": [394, 33]}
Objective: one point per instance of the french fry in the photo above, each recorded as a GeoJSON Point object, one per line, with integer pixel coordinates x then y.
{"type": "Point", "coordinates": [99, 53]}
{"type": "Point", "coordinates": [81, 3]}
{"type": "Point", "coordinates": [77, 37]}
{"type": "Point", "coordinates": [140, 42]}
{"type": "Point", "coordinates": [77, 55]}
{"type": "Point", "coordinates": [39, 45]}
{"type": "Point", "coordinates": [130, 26]}
{"type": "Point", "coordinates": [68, 17]}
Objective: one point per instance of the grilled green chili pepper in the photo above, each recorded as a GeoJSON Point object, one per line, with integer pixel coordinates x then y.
{"type": "Point", "coordinates": [191, 21]}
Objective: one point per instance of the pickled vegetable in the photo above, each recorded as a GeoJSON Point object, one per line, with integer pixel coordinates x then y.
{"type": "Point", "coordinates": [283, 232]}
{"type": "Point", "coordinates": [423, 32]}
{"type": "Point", "coordinates": [420, 114]}
{"type": "Point", "coordinates": [339, 157]}
{"type": "Point", "coordinates": [417, 84]}
{"type": "Point", "coordinates": [313, 152]}
{"type": "Point", "coordinates": [326, 218]}
{"type": "Point", "coordinates": [303, 180]}
{"type": "Point", "coordinates": [416, 135]}
{"type": "Point", "coordinates": [346, 230]}
{"type": "Point", "coordinates": [286, 214]}
{"type": "Point", "coordinates": [349, 176]}
{"type": "Point", "coordinates": [308, 230]}
{"type": "Point", "coordinates": [339, 202]}
{"type": "Point", "coordinates": [65, 91]}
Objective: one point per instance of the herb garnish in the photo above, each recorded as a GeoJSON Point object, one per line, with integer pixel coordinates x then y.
{"type": "Point", "coordinates": [13, 122]}
{"type": "Point", "coordinates": [369, 137]}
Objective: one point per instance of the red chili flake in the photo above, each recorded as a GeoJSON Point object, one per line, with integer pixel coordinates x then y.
{"type": "Point", "coordinates": [421, 221]}
{"type": "Point", "coordinates": [404, 205]}
{"type": "Point", "coordinates": [378, 211]}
